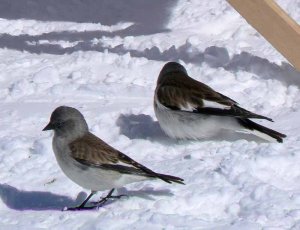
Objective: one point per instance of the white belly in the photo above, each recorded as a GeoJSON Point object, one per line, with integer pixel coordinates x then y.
{"type": "Point", "coordinates": [188, 125]}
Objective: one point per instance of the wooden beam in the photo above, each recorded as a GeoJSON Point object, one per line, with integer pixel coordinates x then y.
{"type": "Point", "coordinates": [274, 24]}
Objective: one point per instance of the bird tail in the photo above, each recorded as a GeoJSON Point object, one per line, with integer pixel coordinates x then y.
{"type": "Point", "coordinates": [169, 178]}
{"type": "Point", "coordinates": [262, 131]}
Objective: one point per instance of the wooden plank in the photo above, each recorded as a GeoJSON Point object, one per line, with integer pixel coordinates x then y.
{"type": "Point", "coordinates": [272, 22]}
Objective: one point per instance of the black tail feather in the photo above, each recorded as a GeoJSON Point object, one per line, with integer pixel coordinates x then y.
{"type": "Point", "coordinates": [148, 172]}
{"type": "Point", "coordinates": [254, 126]}
{"type": "Point", "coordinates": [169, 178]}
{"type": "Point", "coordinates": [247, 114]}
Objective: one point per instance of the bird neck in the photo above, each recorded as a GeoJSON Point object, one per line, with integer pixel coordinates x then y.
{"type": "Point", "coordinates": [71, 135]}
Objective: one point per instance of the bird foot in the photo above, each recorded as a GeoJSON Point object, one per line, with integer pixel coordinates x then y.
{"type": "Point", "coordinates": [101, 202]}
{"type": "Point", "coordinates": [95, 205]}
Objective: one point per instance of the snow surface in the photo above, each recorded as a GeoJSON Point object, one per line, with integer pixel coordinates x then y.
{"type": "Point", "coordinates": [103, 57]}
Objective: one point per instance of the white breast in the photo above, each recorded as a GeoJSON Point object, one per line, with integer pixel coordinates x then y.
{"type": "Point", "coordinates": [188, 125]}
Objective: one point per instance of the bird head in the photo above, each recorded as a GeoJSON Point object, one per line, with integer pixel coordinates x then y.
{"type": "Point", "coordinates": [67, 121]}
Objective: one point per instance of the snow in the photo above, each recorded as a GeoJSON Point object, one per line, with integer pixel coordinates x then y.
{"type": "Point", "coordinates": [103, 57]}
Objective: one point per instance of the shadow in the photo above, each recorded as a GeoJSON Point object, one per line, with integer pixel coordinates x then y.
{"type": "Point", "coordinates": [146, 15]}
{"type": "Point", "coordinates": [264, 68]}
{"type": "Point", "coordinates": [38, 201]}
{"type": "Point", "coordinates": [144, 127]}
{"type": "Point", "coordinates": [141, 127]}
{"type": "Point", "coordinates": [215, 57]}
{"type": "Point", "coordinates": [41, 201]}
{"type": "Point", "coordinates": [145, 193]}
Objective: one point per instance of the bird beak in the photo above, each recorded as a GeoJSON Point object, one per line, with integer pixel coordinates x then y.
{"type": "Point", "coordinates": [50, 126]}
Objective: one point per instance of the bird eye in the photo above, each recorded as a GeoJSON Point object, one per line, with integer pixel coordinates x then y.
{"type": "Point", "coordinates": [59, 124]}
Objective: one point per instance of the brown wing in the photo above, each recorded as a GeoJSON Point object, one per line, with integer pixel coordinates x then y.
{"type": "Point", "coordinates": [92, 151]}
{"type": "Point", "coordinates": [180, 92]}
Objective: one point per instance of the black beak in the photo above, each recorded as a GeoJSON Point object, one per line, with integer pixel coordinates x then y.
{"type": "Point", "coordinates": [50, 126]}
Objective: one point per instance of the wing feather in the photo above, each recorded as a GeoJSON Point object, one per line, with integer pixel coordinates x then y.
{"type": "Point", "coordinates": [180, 92]}
{"type": "Point", "coordinates": [92, 151]}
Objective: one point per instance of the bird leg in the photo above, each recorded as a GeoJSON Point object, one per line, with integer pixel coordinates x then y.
{"type": "Point", "coordinates": [105, 199]}
{"type": "Point", "coordinates": [81, 206]}
{"type": "Point", "coordinates": [95, 204]}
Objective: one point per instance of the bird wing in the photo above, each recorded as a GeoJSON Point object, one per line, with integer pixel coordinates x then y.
{"type": "Point", "coordinates": [182, 93]}
{"type": "Point", "coordinates": [91, 151]}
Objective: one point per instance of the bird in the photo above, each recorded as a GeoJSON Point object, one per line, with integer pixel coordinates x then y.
{"type": "Point", "coordinates": [90, 162]}
{"type": "Point", "coordinates": [189, 109]}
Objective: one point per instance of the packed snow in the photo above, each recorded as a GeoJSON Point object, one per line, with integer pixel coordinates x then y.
{"type": "Point", "coordinates": [103, 58]}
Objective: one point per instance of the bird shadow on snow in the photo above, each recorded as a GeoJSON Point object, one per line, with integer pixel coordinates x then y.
{"type": "Point", "coordinates": [145, 193]}
{"type": "Point", "coordinates": [143, 126]}
{"type": "Point", "coordinates": [34, 200]}
{"type": "Point", "coordinates": [41, 201]}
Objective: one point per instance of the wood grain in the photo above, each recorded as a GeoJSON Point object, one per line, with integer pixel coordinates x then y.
{"type": "Point", "coordinates": [273, 23]}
